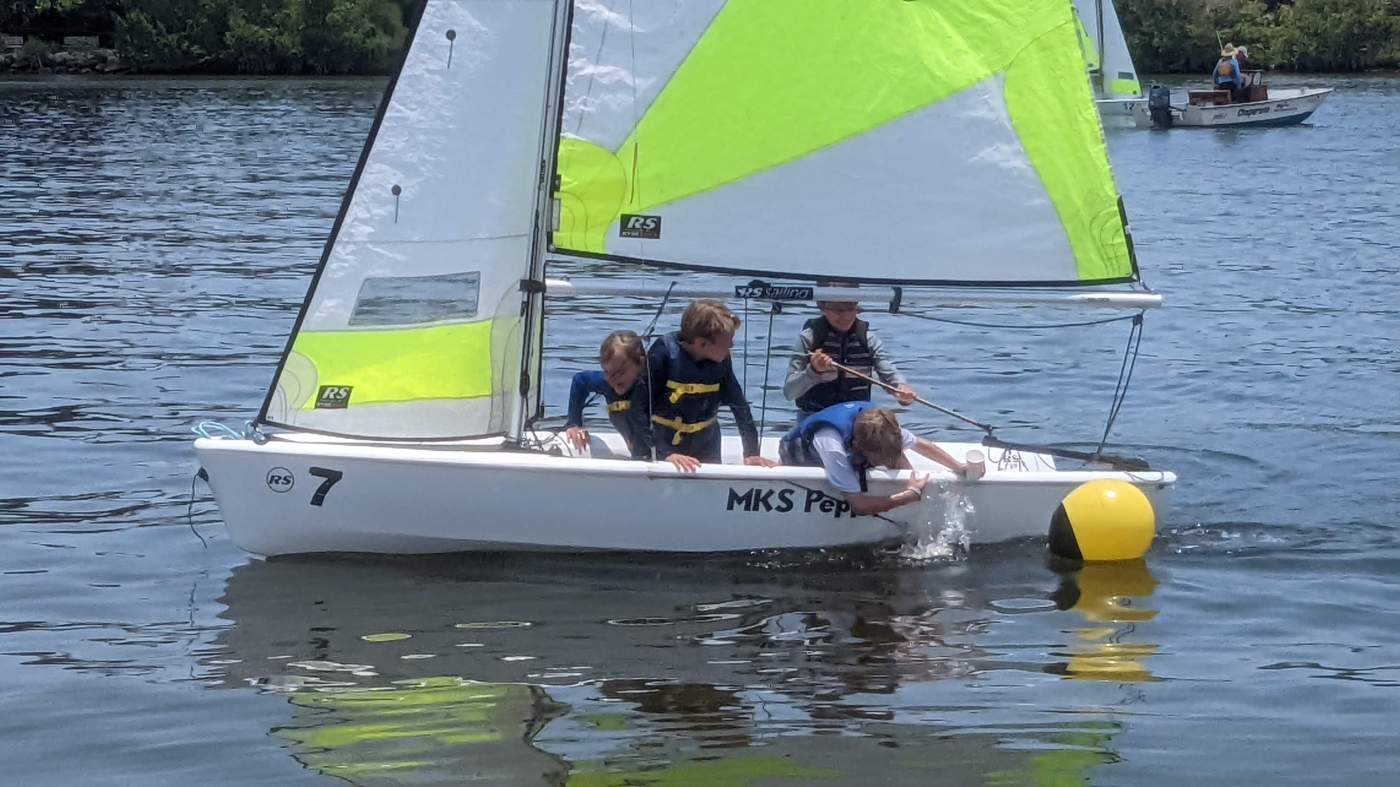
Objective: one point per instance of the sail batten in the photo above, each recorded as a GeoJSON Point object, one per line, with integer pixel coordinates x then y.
{"type": "Point", "coordinates": [920, 143]}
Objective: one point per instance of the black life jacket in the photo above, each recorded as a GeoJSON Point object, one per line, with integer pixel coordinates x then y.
{"type": "Point", "coordinates": [691, 398]}
{"type": "Point", "coordinates": [849, 349]}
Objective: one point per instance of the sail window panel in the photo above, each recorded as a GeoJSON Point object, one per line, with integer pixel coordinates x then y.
{"type": "Point", "coordinates": [416, 300]}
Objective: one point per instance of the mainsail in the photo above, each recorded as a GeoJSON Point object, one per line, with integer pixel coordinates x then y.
{"type": "Point", "coordinates": [413, 325]}
{"type": "Point", "coordinates": [902, 142]}
{"type": "Point", "coordinates": [1106, 51]}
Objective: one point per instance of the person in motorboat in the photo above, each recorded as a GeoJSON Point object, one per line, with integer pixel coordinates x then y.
{"type": "Point", "coordinates": [848, 439]}
{"type": "Point", "coordinates": [689, 376]}
{"type": "Point", "coordinates": [1229, 75]}
{"type": "Point", "coordinates": [839, 336]}
{"type": "Point", "coordinates": [1247, 78]}
{"type": "Point", "coordinates": [622, 358]}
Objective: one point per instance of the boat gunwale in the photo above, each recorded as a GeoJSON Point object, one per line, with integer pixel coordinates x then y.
{"type": "Point", "coordinates": [1306, 92]}
{"type": "Point", "coordinates": [628, 468]}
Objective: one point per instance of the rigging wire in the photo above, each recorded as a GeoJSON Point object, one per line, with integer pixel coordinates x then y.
{"type": "Point", "coordinates": [201, 474]}
{"type": "Point", "coordinates": [665, 299]}
{"type": "Point", "coordinates": [1120, 390]}
{"type": "Point", "coordinates": [1028, 327]}
{"type": "Point", "coordinates": [746, 342]}
{"type": "Point", "coordinates": [1125, 377]}
{"type": "Point", "coordinates": [767, 367]}
{"type": "Point", "coordinates": [646, 356]}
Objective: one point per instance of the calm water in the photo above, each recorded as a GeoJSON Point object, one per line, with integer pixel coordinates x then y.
{"type": "Point", "coordinates": [157, 236]}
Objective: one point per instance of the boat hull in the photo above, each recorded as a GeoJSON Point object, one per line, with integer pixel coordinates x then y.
{"type": "Point", "coordinates": [1120, 112]}
{"type": "Point", "coordinates": [1285, 107]}
{"type": "Point", "coordinates": [299, 496]}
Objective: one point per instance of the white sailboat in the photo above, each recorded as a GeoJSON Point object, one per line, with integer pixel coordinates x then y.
{"type": "Point", "coordinates": [1117, 92]}
{"type": "Point", "coordinates": [742, 138]}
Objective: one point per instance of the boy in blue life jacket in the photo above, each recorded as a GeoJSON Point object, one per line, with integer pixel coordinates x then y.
{"type": "Point", "coordinates": [690, 376]}
{"type": "Point", "coordinates": [839, 335]}
{"type": "Point", "coordinates": [849, 438]}
{"type": "Point", "coordinates": [622, 359]}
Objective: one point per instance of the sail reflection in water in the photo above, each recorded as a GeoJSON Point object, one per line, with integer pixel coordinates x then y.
{"type": "Point", "coordinates": [538, 669]}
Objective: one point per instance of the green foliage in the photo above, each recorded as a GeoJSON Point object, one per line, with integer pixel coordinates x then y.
{"type": "Point", "coordinates": [262, 36]}
{"type": "Point", "coordinates": [366, 36]}
{"type": "Point", "coordinates": [1172, 36]}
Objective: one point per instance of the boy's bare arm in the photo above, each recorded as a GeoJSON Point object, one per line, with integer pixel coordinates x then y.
{"type": "Point", "coordinates": [932, 451]}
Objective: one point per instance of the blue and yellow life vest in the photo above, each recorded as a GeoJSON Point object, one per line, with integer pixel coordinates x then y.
{"type": "Point", "coordinates": [619, 408]}
{"type": "Point", "coordinates": [691, 399]}
{"type": "Point", "coordinates": [842, 418]}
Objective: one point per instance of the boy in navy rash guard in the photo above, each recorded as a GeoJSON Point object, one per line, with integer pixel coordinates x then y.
{"type": "Point", "coordinates": [622, 358]}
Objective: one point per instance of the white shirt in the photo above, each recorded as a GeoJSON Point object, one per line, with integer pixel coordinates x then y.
{"type": "Point", "coordinates": [831, 449]}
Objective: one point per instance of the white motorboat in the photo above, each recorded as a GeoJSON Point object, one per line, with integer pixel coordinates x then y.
{"type": "Point", "coordinates": [1214, 109]}
{"type": "Point", "coordinates": [405, 412]}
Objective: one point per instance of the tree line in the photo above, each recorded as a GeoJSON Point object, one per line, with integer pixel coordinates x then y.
{"type": "Point", "coordinates": [230, 36]}
{"type": "Point", "coordinates": [366, 36]}
{"type": "Point", "coordinates": [1176, 36]}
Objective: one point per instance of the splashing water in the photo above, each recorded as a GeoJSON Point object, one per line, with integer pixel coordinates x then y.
{"type": "Point", "coordinates": [938, 531]}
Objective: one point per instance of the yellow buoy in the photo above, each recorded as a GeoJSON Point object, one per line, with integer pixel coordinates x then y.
{"type": "Point", "coordinates": [1103, 520]}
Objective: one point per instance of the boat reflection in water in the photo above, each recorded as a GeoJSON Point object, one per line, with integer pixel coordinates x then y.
{"type": "Point", "coordinates": [532, 669]}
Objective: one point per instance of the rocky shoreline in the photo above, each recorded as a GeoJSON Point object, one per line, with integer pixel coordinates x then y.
{"type": "Point", "coordinates": [72, 61]}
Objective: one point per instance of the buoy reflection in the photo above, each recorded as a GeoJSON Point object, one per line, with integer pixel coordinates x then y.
{"type": "Point", "coordinates": [1112, 597]}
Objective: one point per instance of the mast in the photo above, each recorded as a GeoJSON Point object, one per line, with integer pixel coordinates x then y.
{"type": "Point", "coordinates": [1104, 81]}
{"type": "Point", "coordinates": [532, 287]}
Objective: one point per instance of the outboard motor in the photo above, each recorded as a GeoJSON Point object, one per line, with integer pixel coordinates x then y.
{"type": "Point", "coordinates": [1159, 106]}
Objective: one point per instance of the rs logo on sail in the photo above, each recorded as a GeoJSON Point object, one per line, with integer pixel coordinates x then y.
{"type": "Point", "coordinates": [333, 397]}
{"type": "Point", "coordinates": [632, 225]}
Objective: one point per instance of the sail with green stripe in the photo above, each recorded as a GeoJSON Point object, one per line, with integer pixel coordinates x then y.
{"type": "Point", "coordinates": [924, 142]}
{"type": "Point", "coordinates": [1106, 50]}
{"type": "Point", "coordinates": [413, 327]}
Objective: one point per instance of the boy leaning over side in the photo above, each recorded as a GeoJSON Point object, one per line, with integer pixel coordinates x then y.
{"type": "Point", "coordinates": [691, 375]}
{"type": "Point", "coordinates": [622, 359]}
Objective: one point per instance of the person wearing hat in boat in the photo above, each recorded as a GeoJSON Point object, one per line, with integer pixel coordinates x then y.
{"type": "Point", "coordinates": [689, 376]}
{"type": "Point", "coordinates": [622, 358]}
{"type": "Point", "coordinates": [848, 439]}
{"type": "Point", "coordinates": [1228, 74]}
{"type": "Point", "coordinates": [839, 336]}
